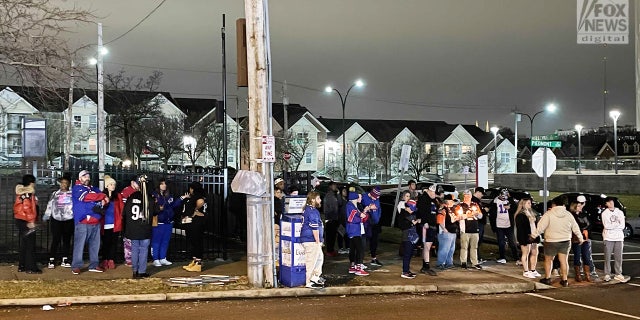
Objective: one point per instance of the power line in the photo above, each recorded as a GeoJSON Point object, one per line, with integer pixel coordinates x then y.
{"type": "Point", "coordinates": [137, 24]}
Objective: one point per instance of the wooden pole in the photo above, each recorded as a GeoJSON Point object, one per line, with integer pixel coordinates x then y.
{"type": "Point", "coordinates": [259, 217]}
{"type": "Point", "coordinates": [67, 148]}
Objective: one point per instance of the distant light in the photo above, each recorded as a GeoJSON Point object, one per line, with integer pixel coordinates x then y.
{"type": "Point", "coordinates": [579, 128]}
{"type": "Point", "coordinates": [126, 163]}
{"type": "Point", "coordinates": [614, 114]}
{"type": "Point", "coordinates": [104, 51]}
{"type": "Point", "coordinates": [328, 89]}
{"type": "Point", "coordinates": [551, 107]}
{"type": "Point", "coordinates": [359, 83]}
{"type": "Point", "coordinates": [93, 61]}
{"type": "Point", "coordinates": [494, 130]}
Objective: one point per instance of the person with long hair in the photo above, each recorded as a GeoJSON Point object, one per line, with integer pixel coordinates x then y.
{"type": "Point", "coordinates": [194, 212]}
{"type": "Point", "coordinates": [111, 223]}
{"type": "Point", "coordinates": [581, 252]}
{"type": "Point", "coordinates": [59, 213]}
{"type": "Point", "coordinates": [525, 220]}
{"type": "Point", "coordinates": [311, 236]}
{"type": "Point", "coordinates": [164, 204]}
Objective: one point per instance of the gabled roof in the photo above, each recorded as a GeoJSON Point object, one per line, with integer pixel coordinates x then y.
{"type": "Point", "coordinates": [480, 135]}
{"type": "Point", "coordinates": [196, 108]}
{"type": "Point", "coordinates": [55, 100]}
{"type": "Point", "coordinates": [294, 113]}
{"type": "Point", "coordinates": [387, 130]}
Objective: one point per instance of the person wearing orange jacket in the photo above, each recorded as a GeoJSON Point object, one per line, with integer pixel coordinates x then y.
{"type": "Point", "coordinates": [25, 213]}
{"type": "Point", "coordinates": [111, 223]}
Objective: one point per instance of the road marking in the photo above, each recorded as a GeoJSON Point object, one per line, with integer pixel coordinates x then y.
{"type": "Point", "coordinates": [625, 260]}
{"type": "Point", "coordinates": [602, 254]}
{"type": "Point", "coordinates": [633, 284]}
{"type": "Point", "coordinates": [583, 306]}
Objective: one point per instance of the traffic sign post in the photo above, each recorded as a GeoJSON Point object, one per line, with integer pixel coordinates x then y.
{"type": "Point", "coordinates": [544, 164]}
{"type": "Point", "coordinates": [546, 144]}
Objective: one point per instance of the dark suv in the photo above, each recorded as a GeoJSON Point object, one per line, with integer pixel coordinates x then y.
{"type": "Point", "coordinates": [593, 207]}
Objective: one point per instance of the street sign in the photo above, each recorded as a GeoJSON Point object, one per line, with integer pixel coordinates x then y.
{"type": "Point", "coordinates": [286, 156]}
{"type": "Point", "coordinates": [404, 157]}
{"type": "Point", "coordinates": [537, 162]}
{"type": "Point", "coordinates": [268, 149]}
{"type": "Point", "coordinates": [548, 137]}
{"type": "Point", "coordinates": [546, 144]}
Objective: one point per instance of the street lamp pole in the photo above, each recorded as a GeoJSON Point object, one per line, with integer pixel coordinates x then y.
{"type": "Point", "coordinates": [579, 130]}
{"type": "Point", "coordinates": [615, 114]}
{"type": "Point", "coordinates": [343, 101]}
{"type": "Point", "coordinates": [495, 149]}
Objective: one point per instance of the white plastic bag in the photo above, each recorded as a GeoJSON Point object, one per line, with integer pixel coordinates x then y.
{"type": "Point", "coordinates": [249, 182]}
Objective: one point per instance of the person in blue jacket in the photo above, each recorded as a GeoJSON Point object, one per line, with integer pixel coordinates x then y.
{"type": "Point", "coordinates": [355, 229]}
{"type": "Point", "coordinates": [164, 204]}
{"type": "Point", "coordinates": [373, 226]}
{"type": "Point", "coordinates": [311, 236]}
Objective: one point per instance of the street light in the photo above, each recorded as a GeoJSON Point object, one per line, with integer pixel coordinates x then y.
{"type": "Point", "coordinates": [551, 108]}
{"type": "Point", "coordinates": [579, 130]}
{"type": "Point", "coordinates": [495, 149]}
{"type": "Point", "coordinates": [615, 114]}
{"type": "Point", "coordinates": [343, 100]}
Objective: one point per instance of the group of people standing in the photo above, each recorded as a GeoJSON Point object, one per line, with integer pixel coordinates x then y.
{"type": "Point", "coordinates": [98, 219]}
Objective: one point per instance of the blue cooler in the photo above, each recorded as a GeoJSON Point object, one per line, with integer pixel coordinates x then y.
{"type": "Point", "coordinates": [293, 272]}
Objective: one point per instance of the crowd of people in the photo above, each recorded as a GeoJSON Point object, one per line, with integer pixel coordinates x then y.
{"type": "Point", "coordinates": [83, 217]}
{"type": "Point", "coordinates": [430, 219]}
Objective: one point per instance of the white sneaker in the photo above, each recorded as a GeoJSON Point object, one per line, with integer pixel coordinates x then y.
{"type": "Point", "coordinates": [607, 278]}
{"type": "Point", "coordinates": [165, 262]}
{"type": "Point", "coordinates": [621, 278]}
{"type": "Point", "coordinates": [518, 263]}
{"type": "Point", "coordinates": [65, 263]}
{"type": "Point", "coordinates": [51, 264]}
{"type": "Point", "coordinates": [363, 267]}
{"type": "Point", "coordinates": [156, 263]}
{"type": "Point", "coordinates": [528, 274]}
{"type": "Point", "coordinates": [535, 273]}
{"type": "Point", "coordinates": [555, 273]}
{"type": "Point", "coordinates": [502, 261]}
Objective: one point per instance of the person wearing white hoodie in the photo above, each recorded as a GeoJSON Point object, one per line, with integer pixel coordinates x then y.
{"type": "Point", "coordinates": [613, 238]}
{"type": "Point", "coordinates": [558, 225]}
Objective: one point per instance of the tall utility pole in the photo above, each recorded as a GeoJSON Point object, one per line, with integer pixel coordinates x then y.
{"type": "Point", "coordinates": [260, 266]}
{"type": "Point", "coordinates": [285, 106]}
{"type": "Point", "coordinates": [224, 101]}
{"type": "Point", "coordinates": [67, 147]}
{"type": "Point", "coordinates": [102, 138]}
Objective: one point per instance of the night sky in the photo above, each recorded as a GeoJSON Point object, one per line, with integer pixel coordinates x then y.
{"type": "Point", "coordinates": [459, 61]}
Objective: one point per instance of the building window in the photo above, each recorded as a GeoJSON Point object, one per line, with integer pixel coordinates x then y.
{"type": "Point", "coordinates": [77, 146]}
{"type": "Point", "coordinates": [15, 122]}
{"type": "Point", "coordinates": [93, 122]}
{"type": "Point", "coordinates": [302, 137]}
{"type": "Point", "coordinates": [636, 147]}
{"type": "Point", "coordinates": [505, 157]}
{"type": "Point", "coordinates": [119, 144]}
{"type": "Point", "coordinates": [625, 146]}
{"type": "Point", "coordinates": [466, 149]}
{"type": "Point", "coordinates": [307, 158]}
{"type": "Point", "coordinates": [452, 151]}
{"type": "Point", "coordinates": [427, 148]}
{"type": "Point", "coordinates": [93, 145]}
{"type": "Point", "coordinates": [77, 121]}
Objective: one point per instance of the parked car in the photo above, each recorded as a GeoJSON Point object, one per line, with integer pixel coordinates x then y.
{"type": "Point", "coordinates": [324, 186]}
{"type": "Point", "coordinates": [491, 193]}
{"type": "Point", "coordinates": [446, 188]}
{"type": "Point", "coordinates": [433, 177]}
{"type": "Point", "coordinates": [593, 207]}
{"type": "Point", "coordinates": [634, 226]}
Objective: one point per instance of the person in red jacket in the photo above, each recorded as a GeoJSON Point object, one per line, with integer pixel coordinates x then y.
{"type": "Point", "coordinates": [111, 223]}
{"type": "Point", "coordinates": [25, 213]}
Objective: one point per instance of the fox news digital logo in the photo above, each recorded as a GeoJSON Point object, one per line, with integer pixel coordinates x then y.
{"type": "Point", "coordinates": [603, 21]}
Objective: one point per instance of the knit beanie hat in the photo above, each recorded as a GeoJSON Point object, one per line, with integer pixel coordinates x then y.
{"type": "Point", "coordinates": [411, 204]}
{"type": "Point", "coordinates": [108, 180]}
{"type": "Point", "coordinates": [375, 192]}
{"type": "Point", "coordinates": [353, 195]}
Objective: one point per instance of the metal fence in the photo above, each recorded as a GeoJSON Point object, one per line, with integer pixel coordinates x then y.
{"type": "Point", "coordinates": [226, 226]}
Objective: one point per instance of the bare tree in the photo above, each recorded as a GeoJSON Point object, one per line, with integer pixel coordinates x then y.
{"type": "Point", "coordinates": [166, 138]}
{"type": "Point", "coordinates": [298, 146]}
{"type": "Point", "coordinates": [198, 144]}
{"type": "Point", "coordinates": [215, 143]}
{"type": "Point", "coordinates": [383, 154]}
{"type": "Point", "coordinates": [34, 44]}
{"type": "Point", "coordinates": [120, 81]}
{"type": "Point", "coordinates": [55, 132]}
{"type": "Point", "coordinates": [368, 164]}
{"type": "Point", "coordinates": [419, 160]}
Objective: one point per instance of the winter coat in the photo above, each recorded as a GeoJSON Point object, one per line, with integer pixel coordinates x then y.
{"type": "Point", "coordinates": [25, 205]}
{"type": "Point", "coordinates": [557, 224]}
{"type": "Point", "coordinates": [168, 204]}
{"type": "Point", "coordinates": [85, 199]}
{"type": "Point", "coordinates": [354, 221]}
{"type": "Point", "coordinates": [59, 207]}
{"type": "Point", "coordinates": [311, 222]}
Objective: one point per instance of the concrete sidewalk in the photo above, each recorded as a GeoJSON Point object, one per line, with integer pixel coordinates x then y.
{"type": "Point", "coordinates": [494, 278]}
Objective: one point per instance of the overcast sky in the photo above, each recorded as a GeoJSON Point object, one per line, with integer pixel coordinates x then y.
{"type": "Point", "coordinates": [459, 61]}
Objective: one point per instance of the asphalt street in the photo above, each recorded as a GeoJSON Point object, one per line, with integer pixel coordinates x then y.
{"type": "Point", "coordinates": [604, 302]}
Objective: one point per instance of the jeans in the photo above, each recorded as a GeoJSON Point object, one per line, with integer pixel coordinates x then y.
{"type": "Point", "coordinates": [160, 236]}
{"type": "Point", "coordinates": [89, 234]}
{"type": "Point", "coordinates": [469, 243]}
{"type": "Point", "coordinates": [407, 253]}
{"type": "Point", "coordinates": [62, 232]}
{"type": "Point", "coordinates": [501, 233]}
{"type": "Point", "coordinates": [27, 259]}
{"type": "Point", "coordinates": [581, 251]}
{"type": "Point", "coordinates": [447, 245]}
{"type": "Point", "coordinates": [139, 253]}
{"type": "Point", "coordinates": [314, 258]}
{"type": "Point", "coordinates": [616, 248]}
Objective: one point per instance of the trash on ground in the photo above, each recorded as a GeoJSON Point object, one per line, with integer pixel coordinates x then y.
{"type": "Point", "coordinates": [47, 307]}
{"type": "Point", "coordinates": [213, 279]}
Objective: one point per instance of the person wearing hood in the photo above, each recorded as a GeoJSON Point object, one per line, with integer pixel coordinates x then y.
{"type": "Point", "coordinates": [25, 212]}
{"type": "Point", "coordinates": [558, 225]}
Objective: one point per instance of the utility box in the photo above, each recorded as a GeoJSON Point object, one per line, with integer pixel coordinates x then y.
{"type": "Point", "coordinates": [292, 258]}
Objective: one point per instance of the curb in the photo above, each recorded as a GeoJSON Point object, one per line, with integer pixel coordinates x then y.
{"type": "Point", "coordinates": [487, 288]}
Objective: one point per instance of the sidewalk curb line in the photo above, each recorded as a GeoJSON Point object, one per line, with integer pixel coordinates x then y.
{"type": "Point", "coordinates": [489, 288]}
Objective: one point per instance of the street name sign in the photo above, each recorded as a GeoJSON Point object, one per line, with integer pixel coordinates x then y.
{"type": "Point", "coordinates": [547, 144]}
